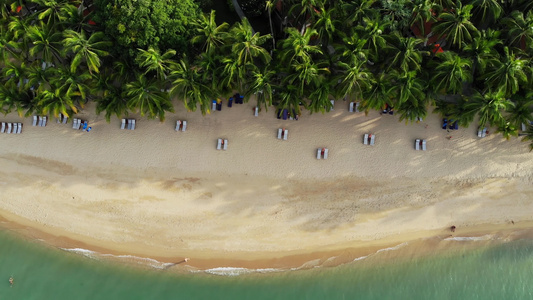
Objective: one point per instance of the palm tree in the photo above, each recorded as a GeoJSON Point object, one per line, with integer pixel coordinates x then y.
{"type": "Point", "coordinates": [521, 112]}
{"type": "Point", "coordinates": [507, 73]}
{"type": "Point", "coordinates": [403, 53]}
{"type": "Point", "coordinates": [56, 102]}
{"type": "Point", "coordinates": [489, 106]}
{"type": "Point", "coordinates": [39, 78]}
{"type": "Point", "coordinates": [15, 75]}
{"type": "Point", "coordinates": [76, 18]}
{"type": "Point", "coordinates": [320, 97]}
{"type": "Point", "coordinates": [325, 24]}
{"type": "Point", "coordinates": [290, 98]}
{"type": "Point", "coordinates": [297, 46]}
{"type": "Point", "coordinates": [209, 64]}
{"type": "Point", "coordinates": [153, 61]}
{"type": "Point", "coordinates": [111, 100]}
{"type": "Point", "coordinates": [374, 33]}
{"type": "Point", "coordinates": [529, 136]}
{"type": "Point", "coordinates": [352, 45]}
{"type": "Point", "coordinates": [146, 96]}
{"type": "Point", "coordinates": [51, 11]}
{"type": "Point", "coordinates": [305, 75]}
{"type": "Point", "coordinates": [72, 84]}
{"type": "Point", "coordinates": [209, 34]}
{"type": "Point", "coordinates": [19, 27]}
{"type": "Point", "coordinates": [450, 73]}
{"type": "Point", "coordinates": [246, 44]}
{"type": "Point", "coordinates": [189, 86]}
{"type": "Point", "coordinates": [14, 99]}
{"type": "Point", "coordinates": [354, 79]}
{"type": "Point", "coordinates": [269, 4]}
{"type": "Point", "coordinates": [8, 46]}
{"type": "Point", "coordinates": [519, 29]}
{"type": "Point", "coordinates": [46, 43]}
{"type": "Point", "coordinates": [486, 11]}
{"type": "Point", "coordinates": [408, 87]}
{"type": "Point", "coordinates": [422, 13]}
{"type": "Point", "coordinates": [482, 49]}
{"type": "Point", "coordinates": [89, 50]}
{"type": "Point", "coordinates": [379, 94]}
{"type": "Point", "coordinates": [359, 10]}
{"type": "Point", "coordinates": [262, 86]}
{"type": "Point", "coordinates": [455, 25]}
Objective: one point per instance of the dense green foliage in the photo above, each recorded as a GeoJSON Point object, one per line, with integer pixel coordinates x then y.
{"type": "Point", "coordinates": [158, 24]}
{"type": "Point", "coordinates": [142, 56]}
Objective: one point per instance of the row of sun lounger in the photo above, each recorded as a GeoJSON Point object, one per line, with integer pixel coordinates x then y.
{"type": "Point", "coordinates": [420, 144]}
{"type": "Point", "coordinates": [181, 125]}
{"type": "Point", "coordinates": [482, 132]}
{"type": "Point", "coordinates": [9, 128]}
{"type": "Point", "coordinates": [62, 119]}
{"type": "Point", "coordinates": [222, 144]}
{"type": "Point", "coordinates": [39, 121]}
{"type": "Point", "coordinates": [354, 106]}
{"type": "Point", "coordinates": [128, 124]}
{"type": "Point", "coordinates": [322, 153]}
{"type": "Point", "coordinates": [80, 124]}
{"type": "Point", "coordinates": [283, 133]}
{"type": "Point", "coordinates": [369, 139]}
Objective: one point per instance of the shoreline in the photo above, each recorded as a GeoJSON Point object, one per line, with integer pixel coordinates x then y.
{"type": "Point", "coordinates": [426, 243]}
{"type": "Point", "coordinates": [157, 193]}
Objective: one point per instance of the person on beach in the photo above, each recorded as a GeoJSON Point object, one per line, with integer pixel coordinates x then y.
{"type": "Point", "coordinates": [452, 228]}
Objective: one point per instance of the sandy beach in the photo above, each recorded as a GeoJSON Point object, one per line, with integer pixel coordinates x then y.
{"type": "Point", "coordinates": [155, 192]}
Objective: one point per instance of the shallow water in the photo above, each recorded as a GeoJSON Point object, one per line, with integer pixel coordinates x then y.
{"type": "Point", "coordinates": [501, 270]}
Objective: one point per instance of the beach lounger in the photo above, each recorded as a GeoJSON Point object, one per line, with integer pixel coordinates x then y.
{"type": "Point", "coordinates": [241, 99]}
{"type": "Point", "coordinates": [444, 123]}
{"type": "Point", "coordinates": [230, 102]}
{"type": "Point", "coordinates": [417, 144]}
{"type": "Point", "coordinates": [225, 145]}
{"type": "Point", "coordinates": [58, 119]}
{"type": "Point", "coordinates": [19, 128]}
{"type": "Point", "coordinates": [78, 124]}
{"type": "Point", "coordinates": [85, 125]}
{"type": "Point", "coordinates": [319, 153]}
{"type": "Point", "coordinates": [352, 106]}
{"type": "Point", "coordinates": [178, 125]}
{"type": "Point", "coordinates": [357, 104]}
{"type": "Point", "coordinates": [40, 122]}
{"type": "Point", "coordinates": [128, 123]}
{"type": "Point", "coordinates": [372, 139]}
{"type": "Point", "coordinates": [65, 119]}
{"type": "Point", "coordinates": [285, 134]}
{"type": "Point", "coordinates": [214, 105]}
{"type": "Point", "coordinates": [3, 129]}
{"type": "Point", "coordinates": [123, 124]}
{"type": "Point", "coordinates": [256, 111]}
{"type": "Point", "coordinates": [34, 121]}
{"type": "Point", "coordinates": [9, 126]}
{"type": "Point", "coordinates": [524, 127]}
{"type": "Point", "coordinates": [484, 132]}
{"type": "Point", "coordinates": [15, 127]}
{"type": "Point", "coordinates": [423, 145]}
{"type": "Point", "coordinates": [285, 114]}
{"type": "Point", "coordinates": [365, 139]}
{"type": "Point", "coordinates": [326, 153]}
{"type": "Point", "coordinates": [219, 144]}
{"type": "Point", "coordinates": [279, 133]}
{"type": "Point", "coordinates": [479, 131]}
{"type": "Point", "coordinates": [44, 121]}
{"type": "Point", "coordinates": [74, 121]}
{"type": "Point", "coordinates": [184, 126]}
{"type": "Point", "coordinates": [132, 124]}
{"type": "Point", "coordinates": [219, 105]}
{"type": "Point", "coordinates": [332, 103]}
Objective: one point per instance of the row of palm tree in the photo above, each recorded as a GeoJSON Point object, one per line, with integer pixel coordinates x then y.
{"type": "Point", "coordinates": [53, 62]}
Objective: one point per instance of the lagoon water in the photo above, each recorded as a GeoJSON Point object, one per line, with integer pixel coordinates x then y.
{"type": "Point", "coordinates": [488, 271]}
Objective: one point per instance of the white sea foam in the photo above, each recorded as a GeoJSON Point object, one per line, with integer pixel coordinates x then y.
{"type": "Point", "coordinates": [229, 271]}
{"type": "Point", "coordinates": [470, 238]}
{"type": "Point", "coordinates": [361, 258]}
{"type": "Point", "coordinates": [392, 248]}
{"type": "Point", "coordinates": [140, 260]}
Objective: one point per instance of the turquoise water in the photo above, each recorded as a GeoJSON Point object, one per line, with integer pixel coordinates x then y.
{"type": "Point", "coordinates": [502, 271]}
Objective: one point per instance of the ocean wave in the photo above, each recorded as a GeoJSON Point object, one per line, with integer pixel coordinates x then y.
{"type": "Point", "coordinates": [230, 271]}
{"type": "Point", "coordinates": [392, 248]}
{"type": "Point", "coordinates": [131, 258]}
{"type": "Point", "coordinates": [470, 238]}
{"type": "Point", "coordinates": [360, 258]}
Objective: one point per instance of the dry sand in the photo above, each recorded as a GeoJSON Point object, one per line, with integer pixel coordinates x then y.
{"type": "Point", "coordinates": [160, 193]}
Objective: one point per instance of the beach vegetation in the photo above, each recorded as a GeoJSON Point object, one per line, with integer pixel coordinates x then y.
{"type": "Point", "coordinates": [470, 60]}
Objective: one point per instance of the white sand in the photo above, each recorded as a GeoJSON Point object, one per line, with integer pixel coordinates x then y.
{"type": "Point", "coordinates": [158, 192]}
